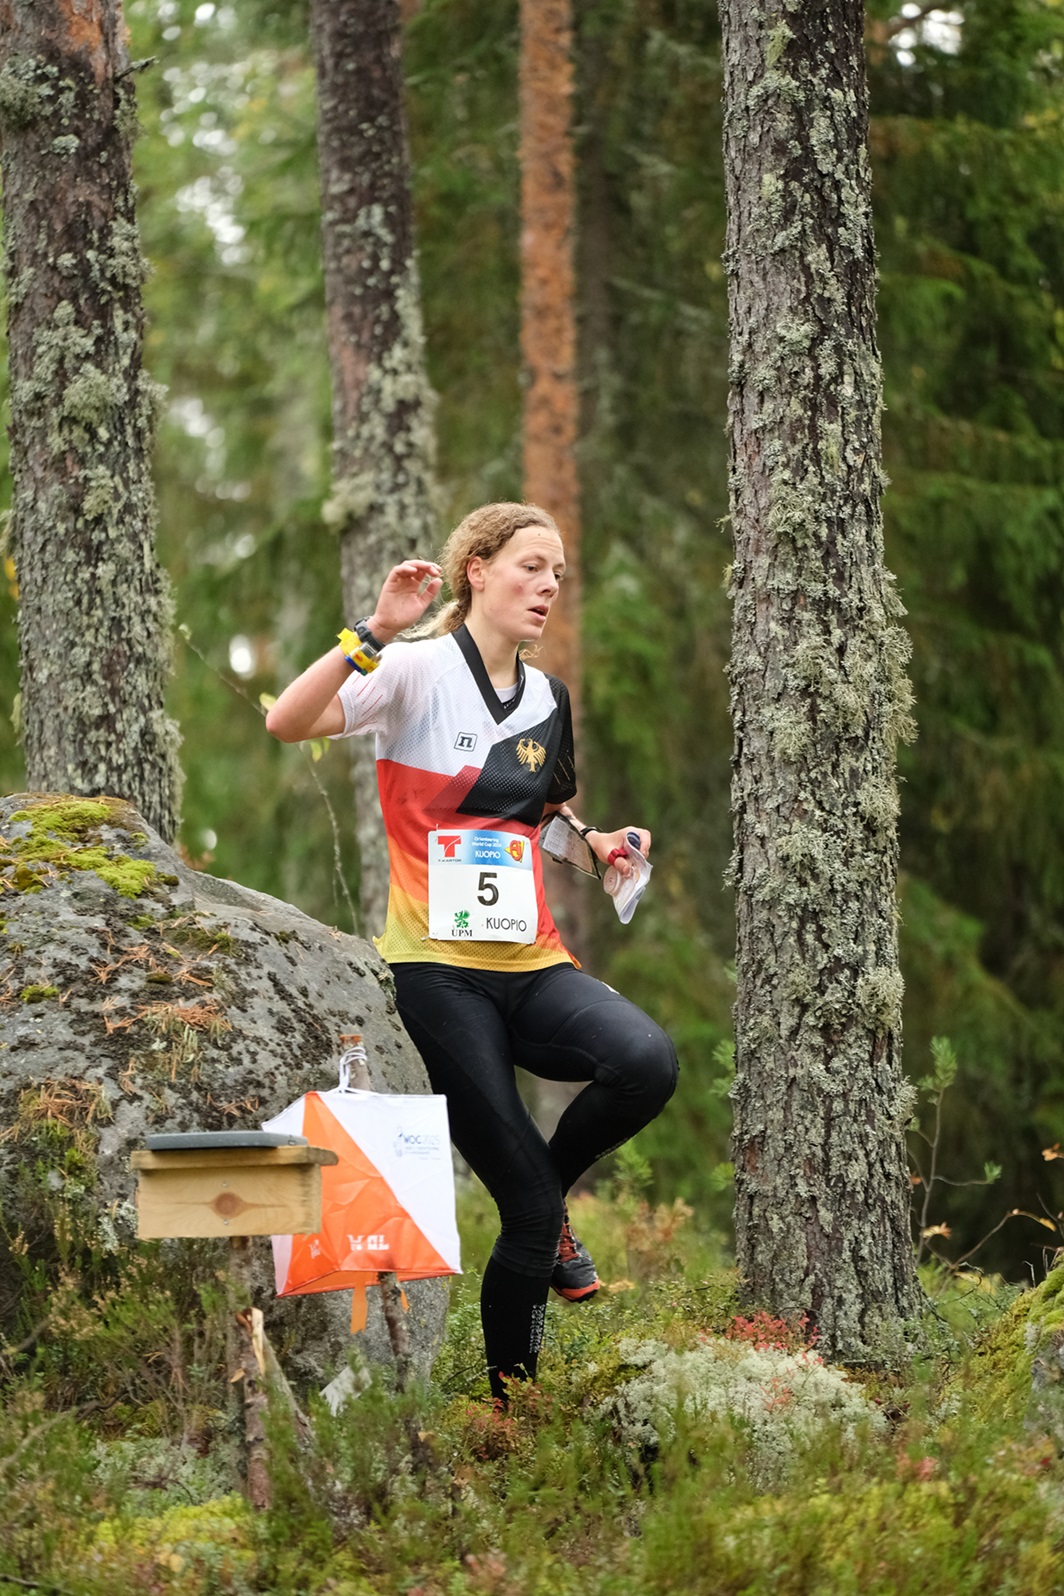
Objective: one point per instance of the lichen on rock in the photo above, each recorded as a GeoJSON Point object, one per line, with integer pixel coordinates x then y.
{"type": "Point", "coordinates": [1015, 1371]}
{"type": "Point", "coordinates": [138, 995]}
{"type": "Point", "coordinates": [62, 835]}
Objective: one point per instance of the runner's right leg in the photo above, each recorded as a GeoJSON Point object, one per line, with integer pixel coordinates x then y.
{"type": "Point", "coordinates": [455, 1023]}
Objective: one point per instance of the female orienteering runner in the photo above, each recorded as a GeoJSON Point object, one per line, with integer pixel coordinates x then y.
{"type": "Point", "coordinates": [474, 748]}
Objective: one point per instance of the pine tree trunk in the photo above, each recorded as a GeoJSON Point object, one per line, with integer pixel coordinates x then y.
{"type": "Point", "coordinates": [819, 692]}
{"type": "Point", "coordinates": [95, 612]}
{"type": "Point", "coordinates": [383, 496]}
{"type": "Point", "coordinates": [548, 347]}
{"type": "Point", "coordinates": [595, 251]}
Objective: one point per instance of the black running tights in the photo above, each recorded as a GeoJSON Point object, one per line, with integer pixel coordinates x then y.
{"type": "Point", "coordinates": [472, 1027]}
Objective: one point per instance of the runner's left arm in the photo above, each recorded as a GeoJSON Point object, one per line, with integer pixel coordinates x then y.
{"type": "Point", "coordinates": [603, 843]}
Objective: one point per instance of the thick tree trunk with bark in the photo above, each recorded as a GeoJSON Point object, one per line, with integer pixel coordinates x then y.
{"type": "Point", "coordinates": [95, 613]}
{"type": "Point", "coordinates": [819, 692]}
{"type": "Point", "coordinates": [383, 495]}
{"type": "Point", "coordinates": [548, 348]}
{"type": "Point", "coordinates": [594, 243]}
{"type": "Point", "coordinates": [548, 314]}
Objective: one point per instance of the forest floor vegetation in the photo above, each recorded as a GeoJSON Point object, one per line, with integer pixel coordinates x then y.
{"type": "Point", "coordinates": [670, 1443]}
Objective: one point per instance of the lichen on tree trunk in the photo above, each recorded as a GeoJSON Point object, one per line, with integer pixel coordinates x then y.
{"type": "Point", "coordinates": [819, 692]}
{"type": "Point", "coordinates": [383, 495]}
{"type": "Point", "coordinates": [95, 612]}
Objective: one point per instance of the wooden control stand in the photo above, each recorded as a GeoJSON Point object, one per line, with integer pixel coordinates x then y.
{"type": "Point", "coordinates": [235, 1184]}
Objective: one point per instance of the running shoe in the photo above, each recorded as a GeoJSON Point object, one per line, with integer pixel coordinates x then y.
{"type": "Point", "coordinates": [574, 1276]}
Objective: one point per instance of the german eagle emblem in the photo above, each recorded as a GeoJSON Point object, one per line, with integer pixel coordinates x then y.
{"type": "Point", "coordinates": [530, 753]}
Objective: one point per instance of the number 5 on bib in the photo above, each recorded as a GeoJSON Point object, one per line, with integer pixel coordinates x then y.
{"type": "Point", "coordinates": [481, 886]}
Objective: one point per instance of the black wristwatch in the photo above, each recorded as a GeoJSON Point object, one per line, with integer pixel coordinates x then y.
{"type": "Point", "coordinates": [362, 650]}
{"type": "Point", "coordinates": [371, 642]}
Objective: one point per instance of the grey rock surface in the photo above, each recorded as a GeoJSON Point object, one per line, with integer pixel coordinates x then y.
{"type": "Point", "coordinates": [192, 1003]}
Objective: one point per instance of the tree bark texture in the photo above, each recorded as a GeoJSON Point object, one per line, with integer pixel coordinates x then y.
{"type": "Point", "coordinates": [819, 692]}
{"type": "Point", "coordinates": [548, 347]}
{"type": "Point", "coordinates": [548, 317]}
{"type": "Point", "coordinates": [95, 612]}
{"type": "Point", "coordinates": [247, 1375]}
{"type": "Point", "coordinates": [383, 501]}
{"type": "Point", "coordinates": [594, 243]}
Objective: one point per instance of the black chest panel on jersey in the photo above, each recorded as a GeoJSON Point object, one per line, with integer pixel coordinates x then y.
{"type": "Point", "coordinates": [533, 767]}
{"type": "Point", "coordinates": [518, 775]}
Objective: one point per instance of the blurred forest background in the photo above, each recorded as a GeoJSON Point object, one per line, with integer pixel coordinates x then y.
{"type": "Point", "coordinates": [968, 157]}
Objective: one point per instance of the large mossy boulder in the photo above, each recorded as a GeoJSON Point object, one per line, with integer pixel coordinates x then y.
{"type": "Point", "coordinates": [1015, 1374]}
{"type": "Point", "coordinates": [138, 996]}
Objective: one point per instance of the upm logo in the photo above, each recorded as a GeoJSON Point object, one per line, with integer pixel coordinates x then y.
{"type": "Point", "coordinates": [450, 846]}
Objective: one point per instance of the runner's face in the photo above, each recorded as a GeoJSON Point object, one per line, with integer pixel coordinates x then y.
{"type": "Point", "coordinates": [515, 590]}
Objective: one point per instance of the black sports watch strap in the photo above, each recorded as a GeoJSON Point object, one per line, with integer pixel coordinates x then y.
{"type": "Point", "coordinates": [362, 629]}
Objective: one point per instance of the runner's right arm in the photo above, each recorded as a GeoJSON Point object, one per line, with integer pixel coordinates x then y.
{"type": "Point", "coordinates": [309, 706]}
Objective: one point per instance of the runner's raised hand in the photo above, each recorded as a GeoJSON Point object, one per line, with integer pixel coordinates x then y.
{"type": "Point", "coordinates": [407, 592]}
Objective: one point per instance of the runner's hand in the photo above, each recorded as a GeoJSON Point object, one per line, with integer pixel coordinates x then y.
{"type": "Point", "coordinates": [408, 591]}
{"type": "Point", "coordinates": [603, 843]}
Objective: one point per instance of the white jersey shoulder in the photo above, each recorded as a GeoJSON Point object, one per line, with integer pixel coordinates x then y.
{"type": "Point", "coordinates": [428, 711]}
{"type": "Point", "coordinates": [374, 702]}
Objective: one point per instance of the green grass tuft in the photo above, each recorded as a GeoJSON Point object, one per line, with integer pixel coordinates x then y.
{"type": "Point", "coordinates": [669, 1444]}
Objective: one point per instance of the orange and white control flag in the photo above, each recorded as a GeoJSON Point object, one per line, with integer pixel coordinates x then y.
{"type": "Point", "coordinates": [387, 1204]}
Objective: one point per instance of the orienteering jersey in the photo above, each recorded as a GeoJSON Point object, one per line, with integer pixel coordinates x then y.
{"type": "Point", "coordinates": [452, 757]}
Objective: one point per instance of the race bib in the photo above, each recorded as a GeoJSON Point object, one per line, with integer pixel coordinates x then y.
{"type": "Point", "coordinates": [481, 887]}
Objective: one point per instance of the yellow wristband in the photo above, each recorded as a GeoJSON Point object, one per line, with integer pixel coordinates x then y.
{"type": "Point", "coordinates": [356, 653]}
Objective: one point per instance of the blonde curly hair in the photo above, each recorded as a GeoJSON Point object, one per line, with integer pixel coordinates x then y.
{"type": "Point", "coordinates": [482, 534]}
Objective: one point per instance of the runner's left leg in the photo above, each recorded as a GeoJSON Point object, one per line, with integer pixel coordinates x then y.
{"type": "Point", "coordinates": [568, 1026]}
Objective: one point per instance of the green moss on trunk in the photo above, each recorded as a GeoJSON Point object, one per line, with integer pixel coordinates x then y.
{"type": "Point", "coordinates": [95, 609]}
{"type": "Point", "coordinates": [819, 692]}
